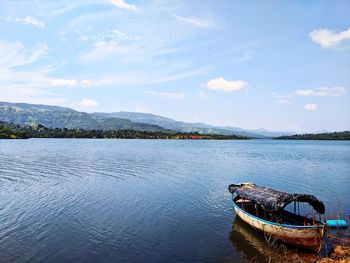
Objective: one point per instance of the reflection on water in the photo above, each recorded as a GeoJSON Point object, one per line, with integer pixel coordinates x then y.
{"type": "Point", "coordinates": [258, 248]}
{"type": "Point", "coordinates": [246, 240]}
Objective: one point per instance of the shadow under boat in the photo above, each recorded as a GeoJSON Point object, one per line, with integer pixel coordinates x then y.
{"type": "Point", "coordinates": [257, 248]}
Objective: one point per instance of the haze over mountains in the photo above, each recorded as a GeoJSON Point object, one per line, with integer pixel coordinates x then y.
{"type": "Point", "coordinates": [61, 117]}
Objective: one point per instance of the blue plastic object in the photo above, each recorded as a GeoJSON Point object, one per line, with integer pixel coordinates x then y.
{"type": "Point", "coordinates": [337, 223]}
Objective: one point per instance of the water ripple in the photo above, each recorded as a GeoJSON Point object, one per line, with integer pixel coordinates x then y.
{"type": "Point", "coordinates": [148, 201]}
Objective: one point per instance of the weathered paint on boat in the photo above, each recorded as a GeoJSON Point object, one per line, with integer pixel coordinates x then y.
{"type": "Point", "coordinates": [307, 237]}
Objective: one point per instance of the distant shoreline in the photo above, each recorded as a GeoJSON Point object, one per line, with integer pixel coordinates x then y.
{"type": "Point", "coordinates": [173, 139]}
{"type": "Point", "coordinates": [330, 136]}
{"type": "Point", "coordinates": [13, 131]}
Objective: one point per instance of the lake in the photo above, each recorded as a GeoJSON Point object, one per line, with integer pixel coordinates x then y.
{"type": "Point", "coordinates": [85, 200]}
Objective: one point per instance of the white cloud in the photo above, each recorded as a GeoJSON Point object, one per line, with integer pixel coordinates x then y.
{"type": "Point", "coordinates": [169, 95]}
{"type": "Point", "coordinates": [112, 42]}
{"type": "Point", "coordinates": [282, 101]}
{"type": "Point", "coordinates": [168, 76]}
{"type": "Point", "coordinates": [328, 38]}
{"type": "Point", "coordinates": [253, 44]}
{"type": "Point", "coordinates": [336, 91]}
{"type": "Point", "coordinates": [25, 75]}
{"type": "Point", "coordinates": [245, 57]}
{"type": "Point", "coordinates": [321, 92]}
{"type": "Point", "coordinates": [139, 49]}
{"type": "Point", "coordinates": [64, 82]}
{"type": "Point", "coordinates": [100, 50]}
{"type": "Point", "coordinates": [27, 20]}
{"type": "Point", "coordinates": [105, 47]}
{"type": "Point", "coordinates": [310, 107]}
{"type": "Point", "coordinates": [15, 63]}
{"type": "Point", "coordinates": [82, 36]}
{"type": "Point", "coordinates": [89, 103]}
{"type": "Point", "coordinates": [70, 83]}
{"type": "Point", "coordinates": [86, 83]}
{"type": "Point", "coordinates": [14, 54]}
{"type": "Point", "coordinates": [310, 92]}
{"type": "Point", "coordinates": [122, 4]}
{"type": "Point", "coordinates": [31, 95]}
{"type": "Point", "coordinates": [226, 85]}
{"type": "Point", "coordinates": [195, 21]}
{"type": "Point", "coordinates": [152, 76]}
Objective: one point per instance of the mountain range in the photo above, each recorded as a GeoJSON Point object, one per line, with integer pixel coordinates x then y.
{"type": "Point", "coordinates": [62, 117]}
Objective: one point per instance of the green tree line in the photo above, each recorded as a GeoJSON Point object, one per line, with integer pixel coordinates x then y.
{"type": "Point", "coordinates": [13, 131]}
{"type": "Point", "coordinates": [345, 135]}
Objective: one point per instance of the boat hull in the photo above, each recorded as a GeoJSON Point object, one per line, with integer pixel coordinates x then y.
{"type": "Point", "coordinates": [306, 237]}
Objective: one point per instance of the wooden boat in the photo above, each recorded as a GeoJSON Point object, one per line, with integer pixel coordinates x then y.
{"type": "Point", "coordinates": [263, 209]}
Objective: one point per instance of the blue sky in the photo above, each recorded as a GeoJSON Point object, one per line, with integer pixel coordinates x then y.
{"type": "Point", "coordinates": [278, 65]}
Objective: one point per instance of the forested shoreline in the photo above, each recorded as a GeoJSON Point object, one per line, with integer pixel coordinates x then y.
{"type": "Point", "coordinates": [345, 135]}
{"type": "Point", "coordinates": [13, 131]}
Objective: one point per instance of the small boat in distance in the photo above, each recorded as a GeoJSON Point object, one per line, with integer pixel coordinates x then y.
{"type": "Point", "coordinates": [264, 210]}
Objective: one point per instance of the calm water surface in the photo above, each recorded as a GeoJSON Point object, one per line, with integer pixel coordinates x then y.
{"type": "Point", "coordinates": [71, 200]}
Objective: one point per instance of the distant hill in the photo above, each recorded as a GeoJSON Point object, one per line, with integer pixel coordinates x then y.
{"type": "Point", "coordinates": [345, 135]}
{"type": "Point", "coordinates": [60, 117]}
{"type": "Point", "coordinates": [165, 122]}
{"type": "Point", "coordinates": [180, 126]}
